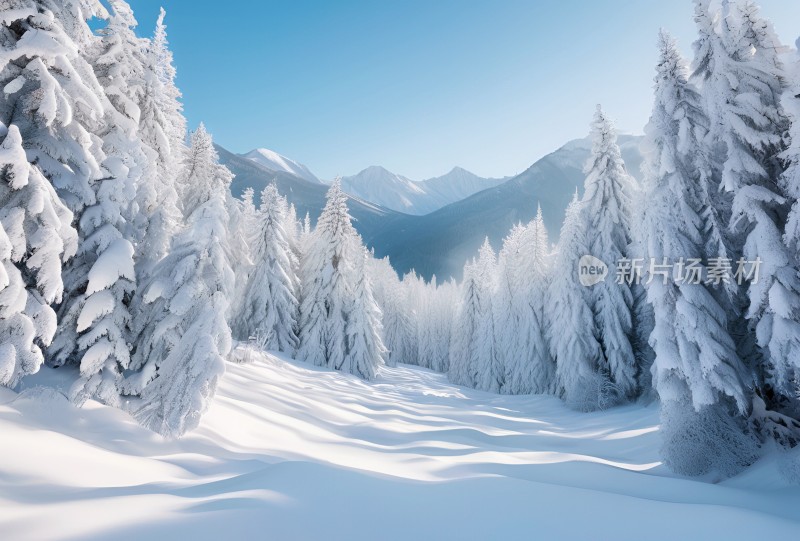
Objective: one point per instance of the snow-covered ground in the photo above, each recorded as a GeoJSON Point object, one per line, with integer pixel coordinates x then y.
{"type": "Point", "coordinates": [291, 452]}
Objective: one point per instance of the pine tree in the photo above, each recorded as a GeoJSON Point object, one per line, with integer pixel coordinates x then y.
{"type": "Point", "coordinates": [696, 358]}
{"type": "Point", "coordinates": [752, 131]}
{"type": "Point", "coordinates": [693, 347]}
{"type": "Point", "coordinates": [325, 284]}
{"type": "Point", "coordinates": [534, 371]}
{"type": "Point", "coordinates": [474, 360]}
{"type": "Point", "coordinates": [95, 317]}
{"type": "Point", "coordinates": [578, 353]}
{"type": "Point", "coordinates": [162, 129]}
{"type": "Point", "coordinates": [790, 180]}
{"type": "Point", "coordinates": [605, 215]}
{"type": "Point", "coordinates": [365, 349]}
{"type": "Point", "coordinates": [719, 243]}
{"type": "Point", "coordinates": [59, 111]}
{"type": "Point", "coordinates": [506, 309]}
{"type": "Point", "coordinates": [443, 301]}
{"type": "Point", "coordinates": [487, 370]}
{"type": "Point", "coordinates": [426, 348]}
{"type": "Point", "coordinates": [270, 299]}
{"type": "Point", "coordinates": [466, 325]}
{"type": "Point", "coordinates": [63, 111]}
{"type": "Point", "coordinates": [397, 325]}
{"type": "Point", "coordinates": [169, 99]}
{"type": "Point", "coordinates": [183, 335]}
{"type": "Point", "coordinates": [35, 238]}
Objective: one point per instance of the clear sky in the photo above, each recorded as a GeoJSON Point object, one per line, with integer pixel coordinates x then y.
{"type": "Point", "coordinates": [420, 86]}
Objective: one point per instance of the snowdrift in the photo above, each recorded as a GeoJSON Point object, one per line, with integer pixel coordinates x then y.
{"type": "Point", "coordinates": [290, 452]}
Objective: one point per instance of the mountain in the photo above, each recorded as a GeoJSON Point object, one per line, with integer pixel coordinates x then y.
{"type": "Point", "coordinates": [308, 196]}
{"type": "Point", "coordinates": [273, 161]}
{"type": "Point", "coordinates": [441, 242]}
{"type": "Point", "coordinates": [377, 185]}
{"type": "Point", "coordinates": [456, 185]}
{"type": "Point", "coordinates": [396, 192]}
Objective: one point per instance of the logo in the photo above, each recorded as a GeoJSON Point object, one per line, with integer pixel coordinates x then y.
{"type": "Point", "coordinates": [591, 271]}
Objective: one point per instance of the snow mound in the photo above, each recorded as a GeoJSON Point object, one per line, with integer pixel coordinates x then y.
{"type": "Point", "coordinates": [288, 451]}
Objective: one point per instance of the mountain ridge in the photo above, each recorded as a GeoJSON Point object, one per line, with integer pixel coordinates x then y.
{"type": "Point", "coordinates": [440, 242]}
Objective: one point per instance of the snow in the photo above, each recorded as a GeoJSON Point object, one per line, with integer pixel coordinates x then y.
{"type": "Point", "coordinates": [396, 192]}
{"type": "Point", "coordinates": [288, 451]}
{"type": "Point", "coordinates": [382, 187]}
{"type": "Point", "coordinates": [15, 85]}
{"type": "Point", "coordinates": [276, 162]}
{"type": "Point", "coordinates": [96, 306]}
{"type": "Point", "coordinates": [114, 263]}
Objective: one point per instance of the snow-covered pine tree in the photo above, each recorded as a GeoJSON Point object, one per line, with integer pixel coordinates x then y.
{"type": "Point", "coordinates": [751, 124]}
{"type": "Point", "coordinates": [410, 304]}
{"type": "Point", "coordinates": [293, 229]}
{"type": "Point", "coordinates": [466, 325]}
{"type": "Point", "coordinates": [443, 302]}
{"type": "Point", "coordinates": [696, 360]}
{"type": "Point", "coordinates": [183, 336]}
{"type": "Point", "coordinates": [487, 370]}
{"type": "Point", "coordinates": [397, 325]}
{"type": "Point", "coordinates": [170, 97]}
{"type": "Point", "coordinates": [270, 298]}
{"type": "Point", "coordinates": [325, 275]}
{"type": "Point", "coordinates": [532, 370]}
{"type": "Point", "coordinates": [95, 317]}
{"type": "Point", "coordinates": [162, 128]}
{"type": "Point", "coordinates": [505, 306]}
{"type": "Point", "coordinates": [474, 360]}
{"type": "Point", "coordinates": [790, 180]}
{"type": "Point", "coordinates": [579, 378]}
{"type": "Point", "coordinates": [426, 348]}
{"type": "Point", "coordinates": [51, 93]}
{"type": "Point", "coordinates": [60, 106]}
{"type": "Point", "coordinates": [605, 217]}
{"type": "Point", "coordinates": [339, 318]}
{"type": "Point", "coordinates": [36, 236]}
{"type": "Point", "coordinates": [365, 349]}
{"type": "Point", "coordinates": [722, 243]}
{"type": "Point", "coordinates": [249, 206]}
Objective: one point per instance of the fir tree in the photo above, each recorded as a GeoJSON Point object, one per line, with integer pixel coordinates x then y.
{"type": "Point", "coordinates": [162, 129]}
{"type": "Point", "coordinates": [270, 299]}
{"type": "Point", "coordinates": [694, 351]}
{"type": "Point", "coordinates": [325, 284]}
{"type": "Point", "coordinates": [605, 217]}
{"type": "Point", "coordinates": [365, 349]}
{"type": "Point", "coordinates": [183, 335]}
{"type": "Point", "coordinates": [35, 238]}
{"type": "Point", "coordinates": [579, 377]}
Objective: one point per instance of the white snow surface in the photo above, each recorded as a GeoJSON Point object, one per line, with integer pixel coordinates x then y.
{"type": "Point", "coordinates": [277, 162]}
{"type": "Point", "coordinates": [288, 451]}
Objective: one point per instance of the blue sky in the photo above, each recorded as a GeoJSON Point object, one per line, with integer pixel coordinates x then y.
{"type": "Point", "coordinates": [420, 86]}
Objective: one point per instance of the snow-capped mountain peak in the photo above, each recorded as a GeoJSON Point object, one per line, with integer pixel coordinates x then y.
{"type": "Point", "coordinates": [396, 192]}
{"type": "Point", "coordinates": [277, 162]}
{"type": "Point", "coordinates": [382, 187]}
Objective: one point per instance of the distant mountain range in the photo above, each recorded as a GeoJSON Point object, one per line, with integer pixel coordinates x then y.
{"type": "Point", "coordinates": [306, 195]}
{"type": "Point", "coordinates": [396, 192]}
{"type": "Point", "coordinates": [433, 226]}
{"type": "Point", "coordinates": [441, 242]}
